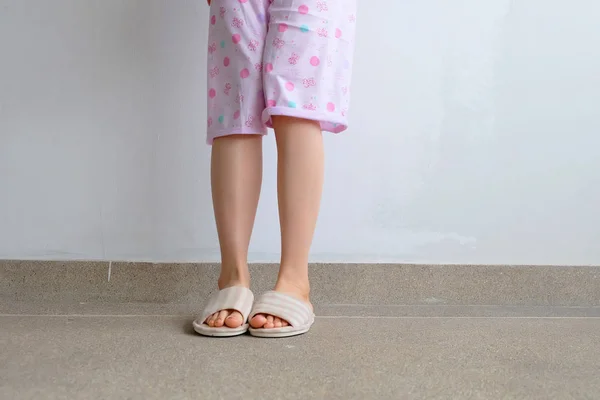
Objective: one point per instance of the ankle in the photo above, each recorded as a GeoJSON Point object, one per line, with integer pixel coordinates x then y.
{"type": "Point", "coordinates": [229, 282]}
{"type": "Point", "coordinates": [294, 283]}
{"type": "Point", "coordinates": [234, 275]}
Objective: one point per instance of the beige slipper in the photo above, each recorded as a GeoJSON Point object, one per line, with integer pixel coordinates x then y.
{"type": "Point", "coordinates": [296, 312]}
{"type": "Point", "coordinates": [236, 298]}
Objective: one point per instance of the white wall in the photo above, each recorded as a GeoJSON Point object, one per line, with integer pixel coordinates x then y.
{"type": "Point", "coordinates": [475, 135]}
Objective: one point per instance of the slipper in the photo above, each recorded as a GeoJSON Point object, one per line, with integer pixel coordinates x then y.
{"type": "Point", "coordinates": [236, 298]}
{"type": "Point", "coordinates": [296, 312]}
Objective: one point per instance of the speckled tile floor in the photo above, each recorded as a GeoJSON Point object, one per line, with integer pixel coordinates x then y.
{"type": "Point", "coordinates": [398, 352]}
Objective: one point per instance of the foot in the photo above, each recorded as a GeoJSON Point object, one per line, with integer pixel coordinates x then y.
{"type": "Point", "coordinates": [267, 321]}
{"type": "Point", "coordinates": [229, 318]}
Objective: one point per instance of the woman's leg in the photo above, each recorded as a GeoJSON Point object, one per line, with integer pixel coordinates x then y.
{"type": "Point", "coordinates": [236, 176]}
{"type": "Point", "coordinates": [300, 166]}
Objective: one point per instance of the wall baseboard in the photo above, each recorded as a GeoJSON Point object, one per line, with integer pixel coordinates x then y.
{"type": "Point", "coordinates": [364, 284]}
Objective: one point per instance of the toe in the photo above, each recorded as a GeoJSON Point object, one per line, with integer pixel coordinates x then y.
{"type": "Point", "coordinates": [234, 320]}
{"type": "Point", "coordinates": [220, 321]}
{"type": "Point", "coordinates": [211, 320]}
{"type": "Point", "coordinates": [270, 324]}
{"type": "Point", "coordinates": [277, 322]}
{"type": "Point", "coordinates": [284, 323]}
{"type": "Point", "coordinates": [258, 321]}
{"type": "Point", "coordinates": [214, 319]}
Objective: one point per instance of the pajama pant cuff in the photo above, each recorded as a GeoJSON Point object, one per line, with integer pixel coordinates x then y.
{"type": "Point", "coordinates": [330, 122]}
{"type": "Point", "coordinates": [212, 135]}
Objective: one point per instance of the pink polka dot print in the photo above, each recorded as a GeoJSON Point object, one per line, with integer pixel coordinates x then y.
{"type": "Point", "coordinates": [296, 57]}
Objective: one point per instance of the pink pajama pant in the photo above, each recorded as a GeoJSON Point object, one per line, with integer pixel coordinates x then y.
{"type": "Point", "coordinates": [279, 57]}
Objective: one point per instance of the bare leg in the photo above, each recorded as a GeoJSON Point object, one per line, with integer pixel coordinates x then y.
{"type": "Point", "coordinates": [300, 168]}
{"type": "Point", "coordinates": [236, 176]}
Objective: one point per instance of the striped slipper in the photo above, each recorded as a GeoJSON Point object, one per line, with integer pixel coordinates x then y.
{"type": "Point", "coordinates": [236, 298]}
{"type": "Point", "coordinates": [296, 312]}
